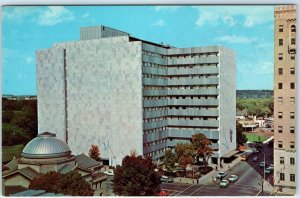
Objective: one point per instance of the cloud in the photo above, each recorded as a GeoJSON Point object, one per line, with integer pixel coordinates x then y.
{"type": "Point", "coordinates": [235, 39]}
{"type": "Point", "coordinates": [54, 15]}
{"type": "Point", "coordinates": [18, 12]}
{"type": "Point", "coordinates": [265, 67]}
{"type": "Point", "coordinates": [85, 15]}
{"type": "Point", "coordinates": [160, 22]}
{"type": "Point", "coordinates": [166, 8]}
{"type": "Point", "coordinates": [248, 15]}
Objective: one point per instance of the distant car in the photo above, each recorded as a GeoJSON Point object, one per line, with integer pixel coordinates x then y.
{"type": "Point", "coordinates": [233, 178]}
{"type": "Point", "coordinates": [109, 172]}
{"type": "Point", "coordinates": [255, 159]}
{"type": "Point", "coordinates": [166, 179]}
{"type": "Point", "coordinates": [255, 151]}
{"type": "Point", "coordinates": [221, 174]}
{"type": "Point", "coordinates": [224, 183]}
{"type": "Point", "coordinates": [271, 167]}
{"type": "Point", "coordinates": [268, 171]}
{"type": "Point", "coordinates": [262, 164]}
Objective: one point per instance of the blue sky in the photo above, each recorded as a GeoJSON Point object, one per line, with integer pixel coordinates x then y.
{"type": "Point", "coordinates": [248, 30]}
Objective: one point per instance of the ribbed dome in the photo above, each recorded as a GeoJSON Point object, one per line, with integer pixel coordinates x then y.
{"type": "Point", "coordinates": [46, 145]}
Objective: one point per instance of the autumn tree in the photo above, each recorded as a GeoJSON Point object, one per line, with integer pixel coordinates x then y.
{"type": "Point", "coordinates": [70, 183]}
{"type": "Point", "coordinates": [185, 154]}
{"type": "Point", "coordinates": [169, 160]}
{"type": "Point", "coordinates": [136, 177]}
{"type": "Point", "coordinates": [94, 152]}
{"type": "Point", "coordinates": [203, 149]}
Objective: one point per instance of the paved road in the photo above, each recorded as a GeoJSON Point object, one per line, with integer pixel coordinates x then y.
{"type": "Point", "coordinates": [249, 182]}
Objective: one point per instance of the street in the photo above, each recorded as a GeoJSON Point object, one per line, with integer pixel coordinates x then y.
{"type": "Point", "coordinates": [249, 182]}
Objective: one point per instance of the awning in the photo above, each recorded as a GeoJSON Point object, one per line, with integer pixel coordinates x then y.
{"type": "Point", "coordinates": [230, 154]}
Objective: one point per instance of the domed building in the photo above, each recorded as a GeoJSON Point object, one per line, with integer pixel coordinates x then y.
{"type": "Point", "coordinates": [47, 153]}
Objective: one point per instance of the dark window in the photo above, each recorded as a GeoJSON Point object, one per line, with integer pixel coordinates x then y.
{"type": "Point", "coordinates": [292, 145]}
{"type": "Point", "coordinates": [292, 56]}
{"type": "Point", "coordinates": [279, 129]}
{"type": "Point", "coordinates": [280, 100]}
{"type": "Point", "coordinates": [281, 160]}
{"type": "Point", "coordinates": [292, 71]}
{"type": "Point", "coordinates": [292, 85]}
{"type": "Point", "coordinates": [280, 115]}
{"type": "Point", "coordinates": [280, 71]}
{"type": "Point", "coordinates": [280, 145]}
{"type": "Point", "coordinates": [292, 177]}
{"type": "Point", "coordinates": [279, 85]}
{"type": "Point", "coordinates": [281, 176]}
{"type": "Point", "coordinates": [280, 41]}
{"type": "Point", "coordinates": [280, 28]}
{"type": "Point", "coordinates": [293, 41]}
{"type": "Point", "coordinates": [292, 129]}
{"type": "Point", "coordinates": [293, 28]}
{"type": "Point", "coordinates": [292, 115]}
{"type": "Point", "coordinates": [292, 161]}
{"type": "Point", "coordinates": [280, 56]}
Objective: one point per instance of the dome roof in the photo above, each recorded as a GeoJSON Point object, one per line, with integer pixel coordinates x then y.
{"type": "Point", "coordinates": [46, 145]}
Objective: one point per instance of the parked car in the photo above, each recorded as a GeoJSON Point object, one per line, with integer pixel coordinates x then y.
{"type": "Point", "coordinates": [255, 150]}
{"type": "Point", "coordinates": [271, 167]}
{"type": "Point", "coordinates": [255, 159]}
{"type": "Point", "coordinates": [233, 178]}
{"type": "Point", "coordinates": [268, 171]}
{"type": "Point", "coordinates": [109, 172]}
{"type": "Point", "coordinates": [262, 164]}
{"type": "Point", "coordinates": [224, 183]}
{"type": "Point", "coordinates": [166, 179]}
{"type": "Point", "coordinates": [221, 174]}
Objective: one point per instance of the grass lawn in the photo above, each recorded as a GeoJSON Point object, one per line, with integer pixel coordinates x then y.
{"type": "Point", "coordinates": [254, 138]}
{"type": "Point", "coordinates": [8, 152]}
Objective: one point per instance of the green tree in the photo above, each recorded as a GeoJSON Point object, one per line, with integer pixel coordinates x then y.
{"type": "Point", "coordinates": [70, 183]}
{"type": "Point", "coordinates": [94, 152]}
{"type": "Point", "coordinates": [202, 145]}
{"type": "Point", "coordinates": [241, 139]}
{"type": "Point", "coordinates": [170, 160]}
{"type": "Point", "coordinates": [12, 135]}
{"type": "Point", "coordinates": [136, 177]}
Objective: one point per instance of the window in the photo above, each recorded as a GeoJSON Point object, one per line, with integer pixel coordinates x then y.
{"type": "Point", "coordinates": [292, 161]}
{"type": "Point", "coordinates": [280, 41]}
{"type": "Point", "coordinates": [279, 85]}
{"type": "Point", "coordinates": [292, 145]}
{"type": "Point", "coordinates": [293, 28]}
{"type": "Point", "coordinates": [292, 56]}
{"type": "Point", "coordinates": [292, 70]}
{"type": "Point", "coordinates": [281, 160]}
{"type": "Point", "coordinates": [280, 100]}
{"type": "Point", "coordinates": [292, 115]}
{"type": "Point", "coordinates": [281, 176]}
{"type": "Point", "coordinates": [280, 115]}
{"type": "Point", "coordinates": [292, 177]}
{"type": "Point", "coordinates": [280, 56]}
{"type": "Point", "coordinates": [293, 41]}
{"type": "Point", "coordinates": [279, 129]}
{"type": "Point", "coordinates": [280, 71]}
{"type": "Point", "coordinates": [292, 85]}
{"type": "Point", "coordinates": [280, 28]}
{"type": "Point", "coordinates": [292, 100]}
{"type": "Point", "coordinates": [280, 144]}
{"type": "Point", "coordinates": [292, 129]}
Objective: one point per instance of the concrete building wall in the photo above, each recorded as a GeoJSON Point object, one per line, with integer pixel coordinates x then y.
{"type": "Point", "coordinates": [227, 97]}
{"type": "Point", "coordinates": [103, 76]}
{"type": "Point", "coordinates": [285, 96]}
{"type": "Point", "coordinates": [51, 92]}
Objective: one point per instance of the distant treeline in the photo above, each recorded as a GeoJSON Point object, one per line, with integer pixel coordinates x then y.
{"type": "Point", "coordinates": [254, 93]}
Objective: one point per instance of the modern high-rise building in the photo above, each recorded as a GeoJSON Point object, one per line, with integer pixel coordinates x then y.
{"type": "Point", "coordinates": [124, 93]}
{"type": "Point", "coordinates": [285, 97]}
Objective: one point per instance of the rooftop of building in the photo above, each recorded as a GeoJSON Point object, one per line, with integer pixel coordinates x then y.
{"type": "Point", "coordinates": [84, 161]}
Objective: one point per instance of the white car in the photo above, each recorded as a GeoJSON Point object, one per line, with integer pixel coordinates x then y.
{"type": "Point", "coordinates": [224, 183]}
{"type": "Point", "coordinates": [271, 167]}
{"type": "Point", "coordinates": [109, 172]}
{"type": "Point", "coordinates": [221, 174]}
{"type": "Point", "coordinates": [233, 178]}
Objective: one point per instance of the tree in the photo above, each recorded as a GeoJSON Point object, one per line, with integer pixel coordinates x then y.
{"type": "Point", "coordinates": [185, 154]}
{"type": "Point", "coordinates": [70, 183]}
{"type": "Point", "coordinates": [136, 177]}
{"type": "Point", "coordinates": [169, 160]}
{"type": "Point", "coordinates": [202, 146]}
{"type": "Point", "coordinates": [94, 152]}
{"type": "Point", "coordinates": [241, 139]}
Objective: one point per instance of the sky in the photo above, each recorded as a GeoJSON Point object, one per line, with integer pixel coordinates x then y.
{"type": "Point", "coordinates": [248, 30]}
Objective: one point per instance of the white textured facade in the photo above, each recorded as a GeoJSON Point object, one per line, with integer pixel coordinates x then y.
{"type": "Point", "coordinates": [123, 93]}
